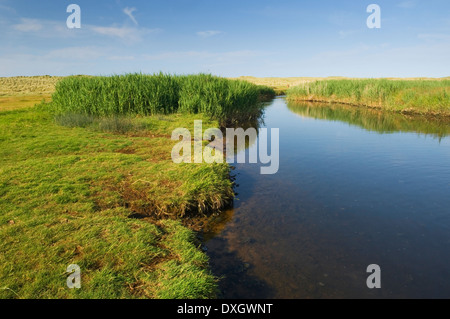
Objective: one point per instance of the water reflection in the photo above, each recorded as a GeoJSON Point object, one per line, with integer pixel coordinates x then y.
{"type": "Point", "coordinates": [372, 119]}
{"type": "Point", "coordinates": [250, 139]}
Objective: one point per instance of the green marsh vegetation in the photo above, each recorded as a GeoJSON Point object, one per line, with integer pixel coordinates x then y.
{"type": "Point", "coordinates": [431, 97]}
{"type": "Point", "coordinates": [224, 100]}
{"type": "Point", "coordinates": [91, 182]}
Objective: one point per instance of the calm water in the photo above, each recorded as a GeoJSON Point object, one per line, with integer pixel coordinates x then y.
{"type": "Point", "coordinates": [355, 187]}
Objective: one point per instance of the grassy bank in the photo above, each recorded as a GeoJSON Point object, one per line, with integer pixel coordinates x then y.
{"type": "Point", "coordinates": [430, 97]}
{"type": "Point", "coordinates": [99, 189]}
{"type": "Point", "coordinates": [69, 195]}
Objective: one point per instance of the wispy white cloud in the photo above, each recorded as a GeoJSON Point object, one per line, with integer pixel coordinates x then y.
{"type": "Point", "coordinates": [7, 8]}
{"type": "Point", "coordinates": [58, 30]}
{"type": "Point", "coordinates": [117, 32]}
{"type": "Point", "coordinates": [28, 25]}
{"type": "Point", "coordinates": [340, 18]}
{"type": "Point", "coordinates": [219, 62]}
{"type": "Point", "coordinates": [63, 61]}
{"type": "Point", "coordinates": [127, 34]}
{"type": "Point", "coordinates": [209, 33]}
{"type": "Point", "coordinates": [217, 56]}
{"type": "Point", "coordinates": [76, 53]}
{"type": "Point", "coordinates": [434, 36]}
{"type": "Point", "coordinates": [121, 58]}
{"type": "Point", "coordinates": [178, 55]}
{"type": "Point", "coordinates": [344, 34]}
{"type": "Point", "coordinates": [129, 13]}
{"type": "Point", "coordinates": [38, 28]}
{"type": "Point", "coordinates": [336, 55]}
{"type": "Point", "coordinates": [408, 4]}
{"type": "Point", "coordinates": [32, 64]}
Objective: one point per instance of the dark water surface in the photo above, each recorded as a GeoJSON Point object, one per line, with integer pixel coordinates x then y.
{"type": "Point", "coordinates": [355, 187]}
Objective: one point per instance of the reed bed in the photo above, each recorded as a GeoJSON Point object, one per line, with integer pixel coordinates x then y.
{"type": "Point", "coordinates": [407, 96]}
{"type": "Point", "coordinates": [139, 94]}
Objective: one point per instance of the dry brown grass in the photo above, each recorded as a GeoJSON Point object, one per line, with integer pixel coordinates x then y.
{"type": "Point", "coordinates": [274, 81]}
{"type": "Point", "coordinates": [28, 85]}
{"type": "Point", "coordinates": [22, 92]}
{"type": "Point", "coordinates": [281, 85]}
{"type": "Point", "coordinates": [11, 103]}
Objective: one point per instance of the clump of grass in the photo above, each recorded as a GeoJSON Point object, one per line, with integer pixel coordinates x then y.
{"type": "Point", "coordinates": [219, 98]}
{"type": "Point", "coordinates": [412, 96]}
{"type": "Point", "coordinates": [118, 125]}
{"type": "Point", "coordinates": [75, 120]}
{"type": "Point", "coordinates": [225, 100]}
{"type": "Point", "coordinates": [177, 275]}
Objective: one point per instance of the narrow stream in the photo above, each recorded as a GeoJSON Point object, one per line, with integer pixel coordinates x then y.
{"type": "Point", "coordinates": [355, 187]}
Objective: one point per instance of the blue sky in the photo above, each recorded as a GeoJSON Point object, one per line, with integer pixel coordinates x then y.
{"type": "Point", "coordinates": [228, 38]}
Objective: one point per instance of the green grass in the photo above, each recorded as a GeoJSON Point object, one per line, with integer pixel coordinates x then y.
{"type": "Point", "coordinates": [137, 94]}
{"type": "Point", "coordinates": [407, 96]}
{"type": "Point", "coordinates": [67, 193]}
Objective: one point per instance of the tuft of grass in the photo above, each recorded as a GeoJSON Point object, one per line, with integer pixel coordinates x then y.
{"type": "Point", "coordinates": [118, 124]}
{"type": "Point", "coordinates": [176, 275]}
{"type": "Point", "coordinates": [75, 120]}
{"type": "Point", "coordinates": [407, 96]}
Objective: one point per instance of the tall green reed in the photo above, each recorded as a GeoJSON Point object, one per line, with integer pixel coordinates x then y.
{"type": "Point", "coordinates": [420, 95]}
{"type": "Point", "coordinates": [222, 99]}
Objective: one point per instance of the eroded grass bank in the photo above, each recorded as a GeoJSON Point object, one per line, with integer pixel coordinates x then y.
{"type": "Point", "coordinates": [74, 187]}
{"type": "Point", "coordinates": [426, 97]}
